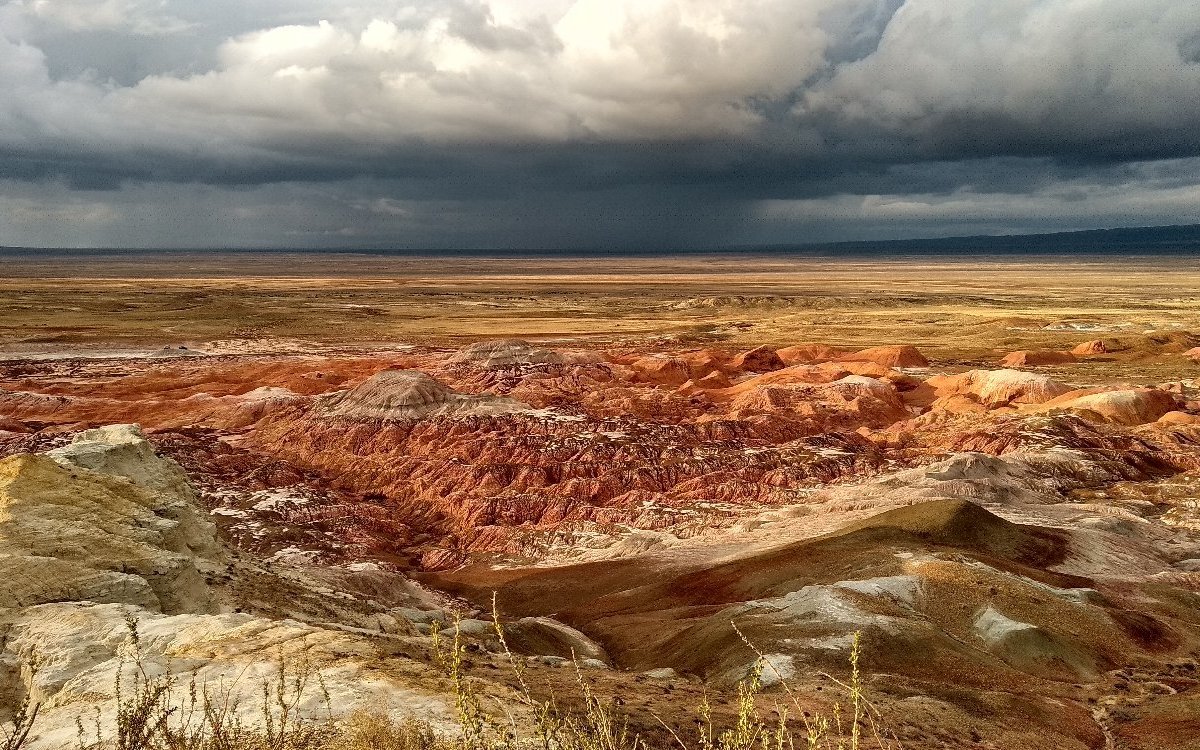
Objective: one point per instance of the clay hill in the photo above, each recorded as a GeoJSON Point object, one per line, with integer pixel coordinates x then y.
{"type": "Point", "coordinates": [1018, 545]}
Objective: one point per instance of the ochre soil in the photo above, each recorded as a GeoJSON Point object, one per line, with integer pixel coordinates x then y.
{"type": "Point", "coordinates": [807, 448]}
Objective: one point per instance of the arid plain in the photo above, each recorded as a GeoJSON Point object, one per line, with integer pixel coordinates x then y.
{"type": "Point", "coordinates": [677, 472]}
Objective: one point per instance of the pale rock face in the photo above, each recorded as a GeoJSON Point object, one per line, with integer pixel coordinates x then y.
{"type": "Point", "coordinates": [994, 627]}
{"type": "Point", "coordinates": [1129, 407]}
{"type": "Point", "coordinates": [83, 647]}
{"type": "Point", "coordinates": [123, 451]}
{"type": "Point", "coordinates": [776, 669]}
{"type": "Point", "coordinates": [104, 533]}
{"type": "Point", "coordinates": [823, 605]}
{"type": "Point", "coordinates": [999, 387]}
{"type": "Point", "coordinates": [30, 580]}
{"type": "Point", "coordinates": [903, 590]}
{"type": "Point", "coordinates": [549, 636]}
{"type": "Point", "coordinates": [108, 536]}
{"type": "Point", "coordinates": [1025, 646]}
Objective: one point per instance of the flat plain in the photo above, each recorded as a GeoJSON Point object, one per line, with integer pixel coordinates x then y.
{"type": "Point", "coordinates": [955, 307]}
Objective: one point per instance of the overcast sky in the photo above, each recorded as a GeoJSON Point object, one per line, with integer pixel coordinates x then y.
{"type": "Point", "coordinates": [586, 123]}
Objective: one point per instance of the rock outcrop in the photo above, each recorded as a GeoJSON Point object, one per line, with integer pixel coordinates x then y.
{"type": "Point", "coordinates": [103, 520]}
{"type": "Point", "coordinates": [1133, 406]}
{"type": "Point", "coordinates": [102, 539]}
{"type": "Point", "coordinates": [994, 533]}
{"type": "Point", "coordinates": [995, 388]}
{"type": "Point", "coordinates": [807, 354]}
{"type": "Point", "coordinates": [662, 370]}
{"type": "Point", "coordinates": [888, 356]}
{"type": "Point", "coordinates": [1093, 348]}
{"type": "Point", "coordinates": [759, 359]}
{"type": "Point", "coordinates": [401, 395]}
{"type": "Point", "coordinates": [504, 354]}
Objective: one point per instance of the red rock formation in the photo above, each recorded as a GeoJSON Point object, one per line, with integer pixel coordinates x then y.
{"type": "Point", "coordinates": [8, 424]}
{"type": "Point", "coordinates": [714, 380]}
{"type": "Point", "coordinates": [705, 362]}
{"type": "Point", "coordinates": [1092, 348]}
{"type": "Point", "coordinates": [474, 451]}
{"type": "Point", "coordinates": [760, 359]}
{"type": "Point", "coordinates": [662, 370]}
{"type": "Point", "coordinates": [807, 354]}
{"type": "Point", "coordinates": [453, 478]}
{"type": "Point", "coordinates": [888, 356]}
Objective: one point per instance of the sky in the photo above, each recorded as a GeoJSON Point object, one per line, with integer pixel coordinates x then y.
{"type": "Point", "coordinates": [672, 124]}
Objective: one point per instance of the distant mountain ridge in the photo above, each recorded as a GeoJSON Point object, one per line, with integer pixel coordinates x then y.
{"type": "Point", "coordinates": [1159, 240]}
{"type": "Point", "coordinates": [1177, 239]}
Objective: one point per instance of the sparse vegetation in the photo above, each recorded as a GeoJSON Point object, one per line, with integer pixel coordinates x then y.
{"type": "Point", "coordinates": [24, 716]}
{"type": "Point", "coordinates": [153, 715]}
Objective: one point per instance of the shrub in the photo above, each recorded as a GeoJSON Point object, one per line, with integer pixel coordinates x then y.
{"type": "Point", "coordinates": [150, 717]}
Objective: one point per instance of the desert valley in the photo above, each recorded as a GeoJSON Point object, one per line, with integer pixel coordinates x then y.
{"type": "Point", "coordinates": [660, 477]}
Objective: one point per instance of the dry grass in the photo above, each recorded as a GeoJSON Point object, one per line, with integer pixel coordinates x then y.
{"type": "Point", "coordinates": [153, 715]}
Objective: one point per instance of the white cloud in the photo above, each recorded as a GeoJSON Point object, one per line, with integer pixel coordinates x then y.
{"type": "Point", "coordinates": [1071, 69]}
{"type": "Point", "coordinates": [630, 70]}
{"type": "Point", "coordinates": [474, 99]}
{"type": "Point", "coordinates": [597, 69]}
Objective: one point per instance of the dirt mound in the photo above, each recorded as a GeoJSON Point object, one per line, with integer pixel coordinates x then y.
{"type": "Point", "coordinates": [963, 525]}
{"type": "Point", "coordinates": [662, 370]}
{"type": "Point", "coordinates": [760, 359]}
{"type": "Point", "coordinates": [399, 395]}
{"type": "Point", "coordinates": [889, 356]}
{"type": "Point", "coordinates": [1094, 347]}
{"type": "Point", "coordinates": [804, 354]}
{"type": "Point", "coordinates": [998, 387]}
{"type": "Point", "coordinates": [1134, 406]}
{"type": "Point", "coordinates": [505, 353]}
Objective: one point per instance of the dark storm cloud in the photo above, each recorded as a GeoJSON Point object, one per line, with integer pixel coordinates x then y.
{"type": "Point", "coordinates": [594, 122]}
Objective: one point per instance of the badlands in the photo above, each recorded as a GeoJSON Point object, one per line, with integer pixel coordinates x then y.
{"type": "Point", "coordinates": [675, 474]}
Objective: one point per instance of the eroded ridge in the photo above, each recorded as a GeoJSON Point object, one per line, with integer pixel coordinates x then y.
{"type": "Point", "coordinates": [1029, 535]}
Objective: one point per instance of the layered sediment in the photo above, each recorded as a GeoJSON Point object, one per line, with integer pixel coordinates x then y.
{"type": "Point", "coordinates": [1014, 530]}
